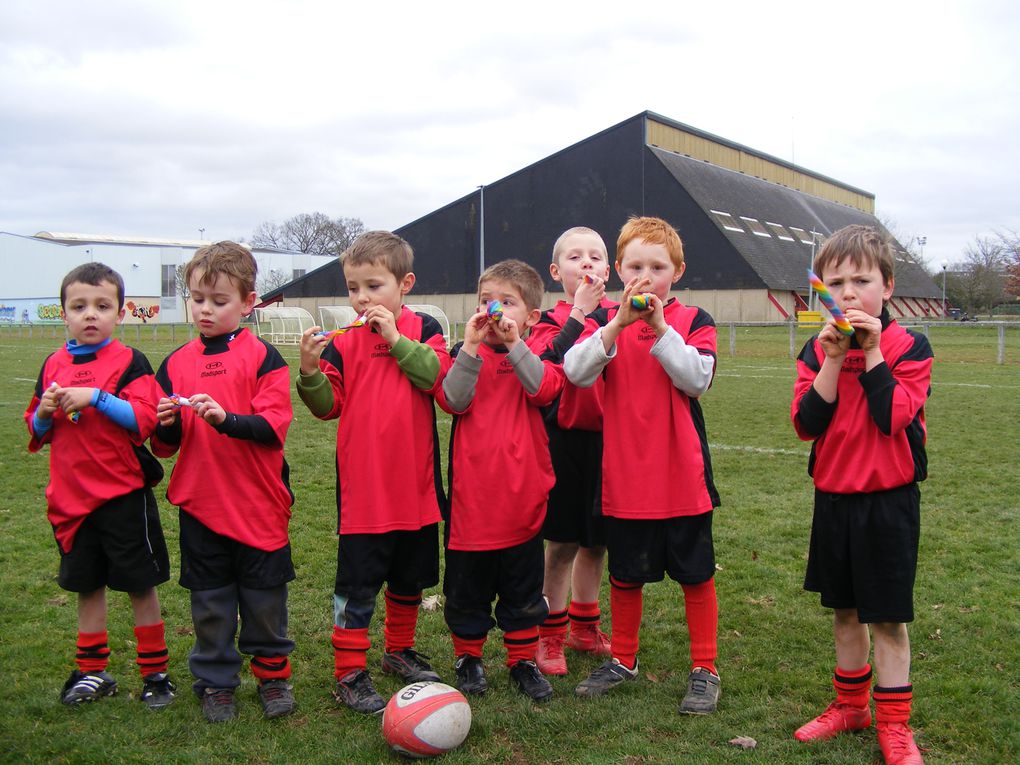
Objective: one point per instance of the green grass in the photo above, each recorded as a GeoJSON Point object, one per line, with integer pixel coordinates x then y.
{"type": "Point", "coordinates": [774, 639]}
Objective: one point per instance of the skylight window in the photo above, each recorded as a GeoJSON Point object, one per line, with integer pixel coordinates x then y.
{"type": "Point", "coordinates": [727, 221]}
{"type": "Point", "coordinates": [756, 228]}
{"type": "Point", "coordinates": [779, 231]}
{"type": "Point", "coordinates": [804, 236]}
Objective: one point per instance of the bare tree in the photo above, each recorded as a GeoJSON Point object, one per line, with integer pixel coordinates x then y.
{"type": "Point", "coordinates": [271, 280]}
{"type": "Point", "coordinates": [1011, 255]}
{"type": "Point", "coordinates": [309, 232]}
{"type": "Point", "coordinates": [977, 283]}
{"type": "Point", "coordinates": [182, 285]}
{"type": "Point", "coordinates": [913, 244]}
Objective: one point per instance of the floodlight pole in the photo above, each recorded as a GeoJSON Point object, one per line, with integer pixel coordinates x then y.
{"type": "Point", "coordinates": [481, 230]}
{"type": "Point", "coordinates": [943, 290]}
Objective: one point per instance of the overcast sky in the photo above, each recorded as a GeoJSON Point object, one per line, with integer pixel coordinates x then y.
{"type": "Point", "coordinates": [137, 117]}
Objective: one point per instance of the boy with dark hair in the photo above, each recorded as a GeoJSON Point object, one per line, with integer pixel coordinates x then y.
{"type": "Point", "coordinates": [378, 379]}
{"type": "Point", "coordinates": [575, 547]}
{"type": "Point", "coordinates": [860, 400]}
{"type": "Point", "coordinates": [231, 485]}
{"type": "Point", "coordinates": [500, 476]}
{"type": "Point", "coordinates": [656, 361]}
{"type": "Point", "coordinates": [99, 497]}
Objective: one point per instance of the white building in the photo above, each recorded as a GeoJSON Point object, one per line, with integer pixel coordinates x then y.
{"type": "Point", "coordinates": [34, 266]}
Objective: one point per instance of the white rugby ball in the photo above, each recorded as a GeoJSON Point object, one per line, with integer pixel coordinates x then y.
{"type": "Point", "coordinates": [426, 719]}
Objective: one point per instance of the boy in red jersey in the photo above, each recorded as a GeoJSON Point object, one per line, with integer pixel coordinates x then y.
{"type": "Point", "coordinates": [500, 477]}
{"type": "Point", "coordinates": [860, 400]}
{"type": "Point", "coordinates": [656, 361]}
{"type": "Point", "coordinates": [95, 405]}
{"type": "Point", "coordinates": [231, 485]}
{"type": "Point", "coordinates": [378, 379]}
{"type": "Point", "coordinates": [575, 538]}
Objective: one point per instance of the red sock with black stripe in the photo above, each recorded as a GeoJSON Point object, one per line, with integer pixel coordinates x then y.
{"type": "Point", "coordinates": [554, 624]}
{"type": "Point", "coordinates": [521, 645]}
{"type": "Point", "coordinates": [93, 654]}
{"type": "Point", "coordinates": [584, 616]}
{"type": "Point", "coordinates": [852, 686]}
{"type": "Point", "coordinates": [892, 705]}
{"type": "Point", "coordinates": [271, 668]}
{"type": "Point", "coordinates": [401, 620]}
{"type": "Point", "coordinates": [152, 654]}
{"type": "Point", "coordinates": [702, 610]}
{"type": "Point", "coordinates": [350, 647]}
{"type": "Point", "coordinates": [468, 646]}
{"type": "Point", "coordinates": [626, 603]}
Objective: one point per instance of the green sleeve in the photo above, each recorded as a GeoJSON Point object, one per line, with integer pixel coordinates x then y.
{"type": "Point", "coordinates": [316, 392]}
{"type": "Point", "coordinates": [418, 361]}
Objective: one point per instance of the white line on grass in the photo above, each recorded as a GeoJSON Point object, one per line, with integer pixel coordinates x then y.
{"type": "Point", "coordinates": [759, 449]}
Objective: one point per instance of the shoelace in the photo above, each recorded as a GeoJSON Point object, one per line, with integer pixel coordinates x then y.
{"type": "Point", "coordinates": [221, 698]}
{"type": "Point", "coordinates": [272, 692]}
{"type": "Point", "coordinates": [899, 738]}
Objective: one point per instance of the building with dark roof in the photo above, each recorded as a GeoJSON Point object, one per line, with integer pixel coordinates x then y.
{"type": "Point", "coordinates": [750, 223]}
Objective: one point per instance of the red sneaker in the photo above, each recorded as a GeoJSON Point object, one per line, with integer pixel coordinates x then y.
{"type": "Point", "coordinates": [589, 640]}
{"type": "Point", "coordinates": [550, 658]}
{"type": "Point", "coordinates": [897, 742]}
{"type": "Point", "coordinates": [836, 718]}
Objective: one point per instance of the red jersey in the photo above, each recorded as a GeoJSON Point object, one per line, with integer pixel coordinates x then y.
{"type": "Point", "coordinates": [872, 438]}
{"type": "Point", "coordinates": [235, 486]}
{"type": "Point", "coordinates": [656, 462]}
{"type": "Point", "coordinates": [500, 469]}
{"type": "Point", "coordinates": [387, 459]}
{"type": "Point", "coordinates": [576, 408]}
{"type": "Point", "coordinates": [95, 460]}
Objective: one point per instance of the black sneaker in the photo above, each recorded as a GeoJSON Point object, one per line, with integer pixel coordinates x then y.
{"type": "Point", "coordinates": [157, 691]}
{"type": "Point", "coordinates": [470, 675]}
{"type": "Point", "coordinates": [218, 704]}
{"type": "Point", "coordinates": [530, 681]}
{"type": "Point", "coordinates": [409, 665]}
{"type": "Point", "coordinates": [277, 697]}
{"type": "Point", "coordinates": [83, 688]}
{"type": "Point", "coordinates": [355, 689]}
{"type": "Point", "coordinates": [703, 691]}
{"type": "Point", "coordinates": [603, 678]}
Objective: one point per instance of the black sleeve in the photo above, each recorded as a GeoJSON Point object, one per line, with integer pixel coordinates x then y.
{"type": "Point", "coordinates": [814, 412]}
{"type": "Point", "coordinates": [272, 361]}
{"type": "Point", "coordinates": [248, 427]}
{"type": "Point", "coordinates": [139, 367]}
{"type": "Point", "coordinates": [879, 384]}
{"type": "Point", "coordinates": [563, 341]}
{"type": "Point", "coordinates": [168, 434]}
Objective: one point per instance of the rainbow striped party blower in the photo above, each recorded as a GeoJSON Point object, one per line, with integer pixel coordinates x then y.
{"type": "Point", "coordinates": [830, 303]}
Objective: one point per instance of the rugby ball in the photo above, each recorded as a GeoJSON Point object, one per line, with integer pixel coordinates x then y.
{"type": "Point", "coordinates": [426, 719]}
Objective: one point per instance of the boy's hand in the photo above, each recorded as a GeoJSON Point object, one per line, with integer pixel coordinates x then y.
{"type": "Point", "coordinates": [834, 343]}
{"type": "Point", "coordinates": [868, 328]}
{"type": "Point", "coordinates": [312, 346]}
{"type": "Point", "coordinates": [628, 314]}
{"type": "Point", "coordinates": [206, 408]}
{"type": "Point", "coordinates": [167, 412]}
{"type": "Point", "coordinates": [588, 295]}
{"type": "Point", "coordinates": [49, 403]}
{"type": "Point", "coordinates": [476, 330]}
{"type": "Point", "coordinates": [384, 322]}
{"type": "Point", "coordinates": [506, 332]}
{"type": "Point", "coordinates": [73, 400]}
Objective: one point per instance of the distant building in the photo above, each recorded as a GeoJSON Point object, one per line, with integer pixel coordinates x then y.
{"type": "Point", "coordinates": [749, 222]}
{"type": "Point", "coordinates": [34, 266]}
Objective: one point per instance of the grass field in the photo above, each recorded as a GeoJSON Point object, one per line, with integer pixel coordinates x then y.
{"type": "Point", "coordinates": [774, 639]}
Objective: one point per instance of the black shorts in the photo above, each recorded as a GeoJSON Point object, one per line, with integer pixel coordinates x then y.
{"type": "Point", "coordinates": [475, 579]}
{"type": "Point", "coordinates": [120, 545]}
{"type": "Point", "coordinates": [863, 552]}
{"type": "Point", "coordinates": [210, 560]}
{"type": "Point", "coordinates": [574, 512]}
{"type": "Point", "coordinates": [408, 561]}
{"type": "Point", "coordinates": [647, 550]}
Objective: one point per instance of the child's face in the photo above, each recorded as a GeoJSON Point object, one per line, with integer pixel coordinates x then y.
{"type": "Point", "coordinates": [857, 286]}
{"type": "Point", "coordinates": [580, 254]}
{"type": "Point", "coordinates": [371, 284]}
{"type": "Point", "coordinates": [643, 260]}
{"type": "Point", "coordinates": [91, 311]}
{"type": "Point", "coordinates": [217, 308]}
{"type": "Point", "coordinates": [513, 305]}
